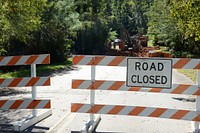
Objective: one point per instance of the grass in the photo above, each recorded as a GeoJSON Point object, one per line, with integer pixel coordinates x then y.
{"type": "Point", "coordinates": [190, 73]}
{"type": "Point", "coordinates": [42, 70]}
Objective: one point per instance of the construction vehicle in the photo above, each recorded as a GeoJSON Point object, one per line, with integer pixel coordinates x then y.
{"type": "Point", "coordinates": [130, 47]}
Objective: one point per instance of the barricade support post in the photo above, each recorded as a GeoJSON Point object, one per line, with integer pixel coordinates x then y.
{"type": "Point", "coordinates": [92, 123]}
{"type": "Point", "coordinates": [34, 93]}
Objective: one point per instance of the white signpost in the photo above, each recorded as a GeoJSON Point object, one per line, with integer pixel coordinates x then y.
{"type": "Point", "coordinates": [152, 73]}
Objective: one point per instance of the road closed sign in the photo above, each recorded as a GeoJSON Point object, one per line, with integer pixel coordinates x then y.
{"type": "Point", "coordinates": [150, 73]}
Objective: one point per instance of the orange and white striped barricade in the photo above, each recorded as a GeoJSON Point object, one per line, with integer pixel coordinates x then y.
{"type": "Point", "coordinates": [177, 63]}
{"type": "Point", "coordinates": [32, 81]}
{"type": "Point", "coordinates": [196, 124]}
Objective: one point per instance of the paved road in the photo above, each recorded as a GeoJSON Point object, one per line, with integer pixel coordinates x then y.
{"type": "Point", "coordinates": [62, 96]}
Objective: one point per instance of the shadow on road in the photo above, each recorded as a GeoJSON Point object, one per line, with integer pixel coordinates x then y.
{"type": "Point", "coordinates": [95, 132]}
{"type": "Point", "coordinates": [8, 117]}
{"type": "Point", "coordinates": [8, 128]}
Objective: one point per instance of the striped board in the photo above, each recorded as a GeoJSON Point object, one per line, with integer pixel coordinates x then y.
{"type": "Point", "coordinates": [121, 86]}
{"type": "Point", "coordinates": [136, 111]}
{"type": "Point", "coordinates": [24, 104]}
{"type": "Point", "coordinates": [178, 63]}
{"type": "Point", "coordinates": [24, 60]}
{"type": "Point", "coordinates": [24, 82]}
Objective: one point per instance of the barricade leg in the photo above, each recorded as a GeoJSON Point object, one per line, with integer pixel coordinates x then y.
{"type": "Point", "coordinates": [34, 118]}
{"type": "Point", "coordinates": [90, 126]}
{"type": "Point", "coordinates": [92, 123]}
{"type": "Point", "coordinates": [30, 121]}
{"type": "Point", "coordinates": [196, 124]}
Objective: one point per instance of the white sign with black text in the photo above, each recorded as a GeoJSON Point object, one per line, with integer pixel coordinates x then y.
{"type": "Point", "coordinates": [152, 73]}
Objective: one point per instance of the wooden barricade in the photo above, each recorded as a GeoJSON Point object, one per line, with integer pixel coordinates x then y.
{"type": "Point", "coordinates": [177, 63]}
{"type": "Point", "coordinates": [33, 81]}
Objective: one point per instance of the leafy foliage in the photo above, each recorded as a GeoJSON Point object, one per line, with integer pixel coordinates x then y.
{"type": "Point", "coordinates": [51, 30]}
{"type": "Point", "coordinates": [19, 17]}
{"type": "Point", "coordinates": [187, 14]}
{"type": "Point", "coordinates": [60, 23]}
{"type": "Point", "coordinates": [84, 26]}
{"type": "Point", "coordinates": [175, 26]}
{"type": "Point", "coordinates": [126, 17]}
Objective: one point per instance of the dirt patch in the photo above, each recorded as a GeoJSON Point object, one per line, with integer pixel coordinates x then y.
{"type": "Point", "coordinates": [142, 52]}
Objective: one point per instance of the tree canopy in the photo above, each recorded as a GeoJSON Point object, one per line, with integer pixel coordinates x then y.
{"type": "Point", "coordinates": [20, 17]}
{"type": "Point", "coordinates": [59, 27]}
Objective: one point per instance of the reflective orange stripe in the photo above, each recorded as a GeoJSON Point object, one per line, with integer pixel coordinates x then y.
{"type": "Point", "coordinates": [47, 83]}
{"type": "Point", "coordinates": [180, 89]}
{"type": "Point", "coordinates": [198, 66]}
{"type": "Point", "coordinates": [2, 102]}
{"type": "Point", "coordinates": [179, 114]}
{"type": "Point", "coordinates": [31, 59]}
{"type": "Point", "coordinates": [14, 60]}
{"type": "Point", "coordinates": [155, 90]}
{"type": "Point", "coordinates": [95, 109]}
{"type": "Point", "coordinates": [116, 85]}
{"type": "Point", "coordinates": [197, 118]}
{"type": "Point", "coordinates": [96, 60]}
{"type": "Point", "coordinates": [135, 89]}
{"type": "Point", "coordinates": [2, 80]}
{"type": "Point", "coordinates": [96, 85]}
{"type": "Point", "coordinates": [46, 60]}
{"type": "Point", "coordinates": [115, 110]}
{"type": "Point", "coordinates": [32, 81]}
{"type": "Point", "coordinates": [75, 107]}
{"type": "Point", "coordinates": [48, 105]}
{"type": "Point", "coordinates": [16, 104]}
{"type": "Point", "coordinates": [33, 104]}
{"type": "Point", "coordinates": [181, 63]}
{"type": "Point", "coordinates": [77, 83]}
{"type": "Point", "coordinates": [77, 59]}
{"type": "Point", "coordinates": [15, 82]}
{"type": "Point", "coordinates": [116, 61]}
{"type": "Point", "coordinates": [197, 92]}
{"type": "Point", "coordinates": [1, 58]}
{"type": "Point", "coordinates": [136, 110]}
{"type": "Point", "coordinates": [158, 112]}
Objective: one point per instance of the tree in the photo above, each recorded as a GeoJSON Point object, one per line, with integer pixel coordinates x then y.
{"type": "Point", "coordinates": [188, 17]}
{"type": "Point", "coordinates": [19, 17]}
{"type": "Point", "coordinates": [175, 27]}
{"type": "Point", "coordinates": [160, 24]}
{"type": "Point", "coordinates": [39, 28]}
{"type": "Point", "coordinates": [60, 23]}
{"type": "Point", "coordinates": [126, 17]}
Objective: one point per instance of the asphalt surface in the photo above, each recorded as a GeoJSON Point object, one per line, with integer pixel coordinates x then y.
{"type": "Point", "coordinates": [62, 96]}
